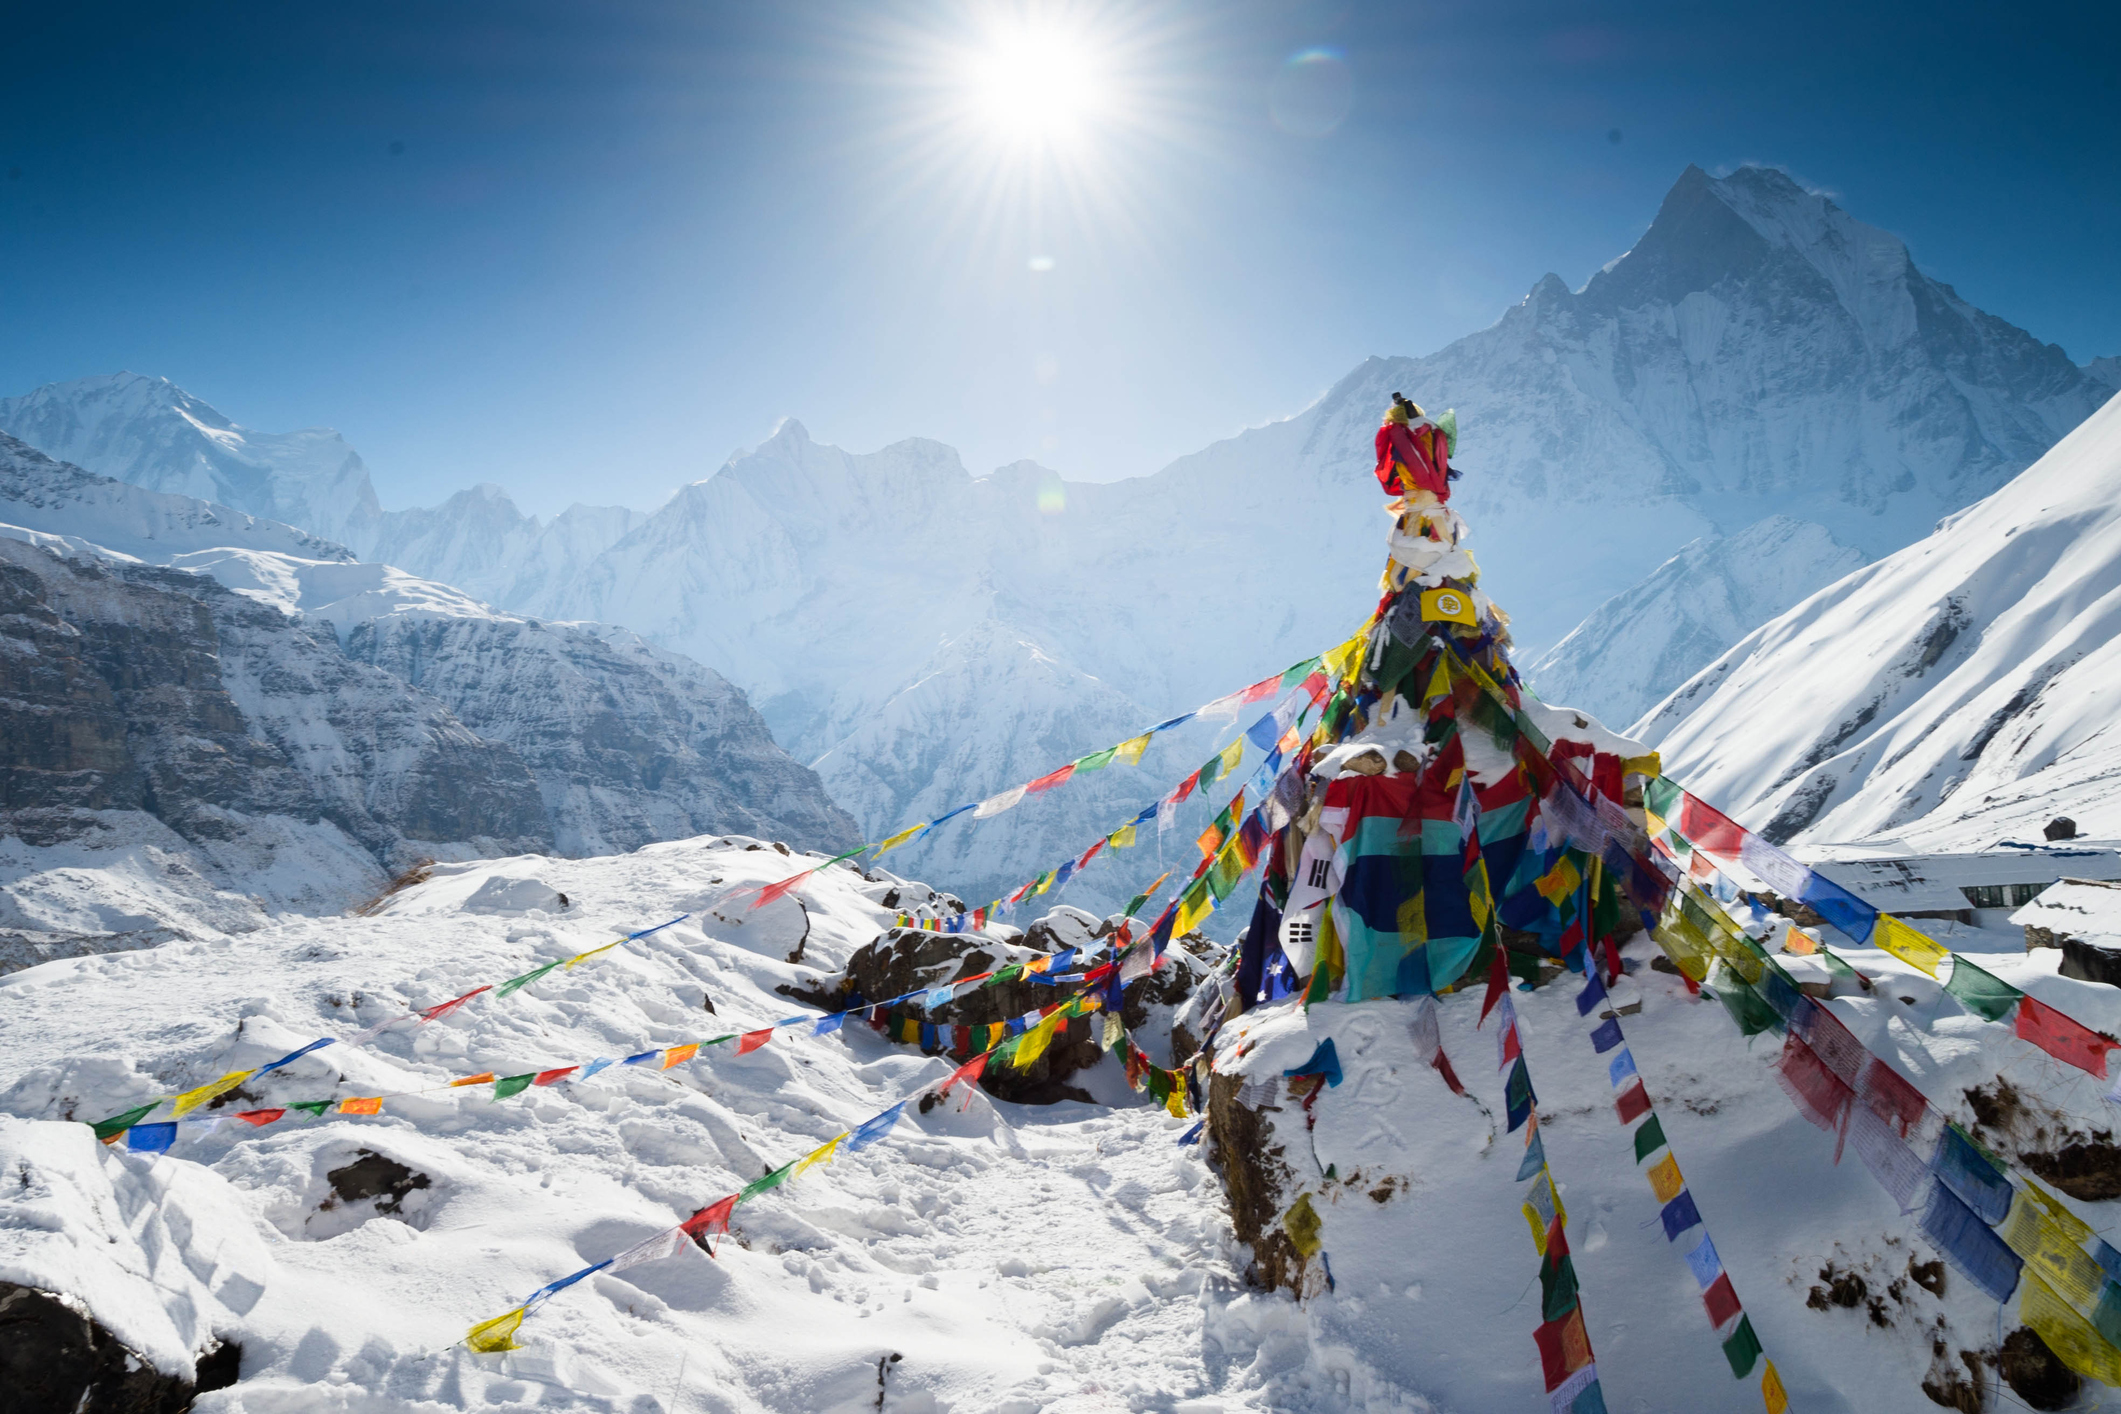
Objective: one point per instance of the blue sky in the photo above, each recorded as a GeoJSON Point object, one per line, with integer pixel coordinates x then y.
{"type": "Point", "coordinates": [587, 250]}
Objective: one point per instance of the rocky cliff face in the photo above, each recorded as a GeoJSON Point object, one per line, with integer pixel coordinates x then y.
{"type": "Point", "coordinates": [155, 719]}
{"type": "Point", "coordinates": [628, 744]}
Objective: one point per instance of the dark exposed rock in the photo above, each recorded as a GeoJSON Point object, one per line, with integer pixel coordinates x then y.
{"type": "Point", "coordinates": [1254, 1176]}
{"type": "Point", "coordinates": [373, 1175]}
{"type": "Point", "coordinates": [55, 1359]}
{"type": "Point", "coordinates": [2035, 1373]}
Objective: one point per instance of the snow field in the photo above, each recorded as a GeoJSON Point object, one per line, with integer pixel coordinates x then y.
{"type": "Point", "coordinates": [1070, 1258]}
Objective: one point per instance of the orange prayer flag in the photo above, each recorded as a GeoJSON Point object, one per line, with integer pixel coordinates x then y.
{"type": "Point", "coordinates": [482, 1078]}
{"type": "Point", "coordinates": [370, 1106]}
{"type": "Point", "coordinates": [678, 1055]}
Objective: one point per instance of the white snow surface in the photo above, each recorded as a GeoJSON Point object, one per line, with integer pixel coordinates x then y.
{"type": "Point", "coordinates": [1071, 1258]}
{"type": "Point", "coordinates": [1955, 694]}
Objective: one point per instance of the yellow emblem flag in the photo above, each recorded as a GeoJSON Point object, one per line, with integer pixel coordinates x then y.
{"type": "Point", "coordinates": [585, 956]}
{"type": "Point", "coordinates": [1915, 949]}
{"type": "Point", "coordinates": [1129, 752]}
{"type": "Point", "coordinates": [901, 837]}
{"type": "Point", "coordinates": [1665, 1179]}
{"type": "Point", "coordinates": [492, 1337]}
{"type": "Point", "coordinates": [192, 1099]}
{"type": "Point", "coordinates": [678, 1055]}
{"type": "Point", "coordinates": [1771, 1392]}
{"type": "Point", "coordinates": [2068, 1334]}
{"type": "Point", "coordinates": [822, 1155]}
{"type": "Point", "coordinates": [1448, 606]}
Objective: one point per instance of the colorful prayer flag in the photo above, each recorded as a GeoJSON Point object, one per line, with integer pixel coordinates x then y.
{"type": "Point", "coordinates": [509, 1085]}
{"type": "Point", "coordinates": [2063, 1037]}
{"type": "Point", "coordinates": [192, 1099]}
{"type": "Point", "coordinates": [364, 1105]}
{"type": "Point", "coordinates": [1915, 949]}
{"type": "Point", "coordinates": [445, 1008]}
{"type": "Point", "coordinates": [678, 1055]}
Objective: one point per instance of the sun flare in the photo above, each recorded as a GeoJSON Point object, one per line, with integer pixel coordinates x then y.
{"type": "Point", "coordinates": [1036, 86]}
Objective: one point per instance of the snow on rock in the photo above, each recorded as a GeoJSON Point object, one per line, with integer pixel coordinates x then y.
{"type": "Point", "coordinates": [1954, 694]}
{"type": "Point", "coordinates": [1635, 647]}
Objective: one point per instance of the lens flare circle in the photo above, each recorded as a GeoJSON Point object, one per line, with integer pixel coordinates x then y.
{"type": "Point", "coordinates": [1311, 93]}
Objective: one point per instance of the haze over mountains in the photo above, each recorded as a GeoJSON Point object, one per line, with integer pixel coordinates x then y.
{"type": "Point", "coordinates": [1759, 396]}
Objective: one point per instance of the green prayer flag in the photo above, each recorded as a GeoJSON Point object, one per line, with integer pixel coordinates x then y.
{"type": "Point", "coordinates": [1557, 1287]}
{"type": "Point", "coordinates": [1661, 797]}
{"type": "Point", "coordinates": [1746, 1006]}
{"type": "Point", "coordinates": [315, 1107]}
{"type": "Point", "coordinates": [771, 1180]}
{"type": "Point", "coordinates": [1225, 874]}
{"type": "Point", "coordinates": [1649, 1139]}
{"type": "Point", "coordinates": [515, 983]}
{"type": "Point", "coordinates": [1743, 1348]}
{"type": "Point", "coordinates": [1837, 966]}
{"type": "Point", "coordinates": [1096, 760]}
{"type": "Point", "coordinates": [1297, 674]}
{"type": "Point", "coordinates": [512, 1085]}
{"type": "Point", "coordinates": [1982, 993]}
{"type": "Point", "coordinates": [1134, 904]}
{"type": "Point", "coordinates": [108, 1129]}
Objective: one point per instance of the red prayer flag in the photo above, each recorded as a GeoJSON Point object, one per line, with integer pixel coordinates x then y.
{"type": "Point", "coordinates": [752, 1040]}
{"type": "Point", "coordinates": [970, 1071]}
{"type": "Point", "coordinates": [1050, 779]}
{"type": "Point", "coordinates": [548, 1077]}
{"type": "Point", "coordinates": [1183, 789]}
{"type": "Point", "coordinates": [1265, 687]}
{"type": "Point", "coordinates": [1706, 827]}
{"type": "Point", "coordinates": [1633, 1104]}
{"type": "Point", "coordinates": [445, 1008]}
{"type": "Point", "coordinates": [778, 890]}
{"type": "Point", "coordinates": [1564, 1347]}
{"type": "Point", "coordinates": [1511, 1048]}
{"type": "Point", "coordinates": [1089, 853]}
{"type": "Point", "coordinates": [1450, 1076]}
{"type": "Point", "coordinates": [2064, 1038]}
{"type": "Point", "coordinates": [711, 1220]}
{"type": "Point", "coordinates": [260, 1118]}
{"type": "Point", "coordinates": [1557, 1241]}
{"type": "Point", "coordinates": [1498, 983]}
{"type": "Point", "coordinates": [1721, 1300]}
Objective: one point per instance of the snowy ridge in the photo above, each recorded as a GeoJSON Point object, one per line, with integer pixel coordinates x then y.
{"type": "Point", "coordinates": [1952, 695]}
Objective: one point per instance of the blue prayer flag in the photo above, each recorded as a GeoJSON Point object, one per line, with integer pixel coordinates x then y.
{"type": "Point", "coordinates": [1607, 1035]}
{"type": "Point", "coordinates": [1325, 1060]}
{"type": "Point", "coordinates": [829, 1023]}
{"type": "Point", "coordinates": [2108, 1259]}
{"type": "Point", "coordinates": [1517, 1095]}
{"type": "Point", "coordinates": [1166, 726]}
{"type": "Point", "coordinates": [1971, 1244]}
{"type": "Point", "coordinates": [1593, 990]}
{"type": "Point", "coordinates": [1622, 1068]}
{"type": "Point", "coordinates": [1704, 1262]}
{"type": "Point", "coordinates": [297, 1055]}
{"type": "Point", "coordinates": [1968, 1173]}
{"type": "Point", "coordinates": [871, 1130]}
{"type": "Point", "coordinates": [644, 1055]}
{"type": "Point", "coordinates": [1192, 1136]}
{"type": "Point", "coordinates": [600, 1063]}
{"type": "Point", "coordinates": [1535, 1158]}
{"type": "Point", "coordinates": [151, 1138]}
{"type": "Point", "coordinates": [1679, 1215]}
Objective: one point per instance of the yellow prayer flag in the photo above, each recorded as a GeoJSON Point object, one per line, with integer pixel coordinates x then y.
{"type": "Point", "coordinates": [1034, 1043]}
{"type": "Point", "coordinates": [2047, 1235]}
{"type": "Point", "coordinates": [1342, 660]}
{"type": "Point", "coordinates": [1302, 1224]}
{"type": "Point", "coordinates": [901, 837]}
{"type": "Point", "coordinates": [1175, 1102]}
{"type": "Point", "coordinates": [1122, 838]}
{"type": "Point", "coordinates": [1449, 606]}
{"type": "Point", "coordinates": [821, 1155]}
{"type": "Point", "coordinates": [1648, 765]}
{"type": "Point", "coordinates": [1232, 754]}
{"type": "Point", "coordinates": [1190, 913]}
{"type": "Point", "coordinates": [1539, 1230]}
{"type": "Point", "coordinates": [492, 1337]}
{"type": "Point", "coordinates": [1915, 949]}
{"type": "Point", "coordinates": [1439, 681]}
{"type": "Point", "coordinates": [1559, 882]}
{"type": "Point", "coordinates": [192, 1099]}
{"type": "Point", "coordinates": [1129, 752]}
{"type": "Point", "coordinates": [2068, 1334]}
{"type": "Point", "coordinates": [1665, 1179]}
{"type": "Point", "coordinates": [678, 1055]}
{"type": "Point", "coordinates": [372, 1105]}
{"type": "Point", "coordinates": [1771, 1392]}
{"type": "Point", "coordinates": [585, 956]}
{"type": "Point", "coordinates": [482, 1078]}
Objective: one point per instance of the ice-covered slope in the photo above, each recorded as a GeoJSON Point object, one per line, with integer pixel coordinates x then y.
{"type": "Point", "coordinates": [1621, 660]}
{"type": "Point", "coordinates": [1959, 692]}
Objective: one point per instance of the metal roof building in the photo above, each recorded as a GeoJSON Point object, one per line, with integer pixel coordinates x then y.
{"type": "Point", "coordinates": [1953, 885]}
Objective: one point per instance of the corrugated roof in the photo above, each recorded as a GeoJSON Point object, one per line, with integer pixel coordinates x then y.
{"type": "Point", "coordinates": [2087, 910]}
{"type": "Point", "coordinates": [1931, 883]}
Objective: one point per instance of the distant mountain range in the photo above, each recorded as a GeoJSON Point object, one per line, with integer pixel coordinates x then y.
{"type": "Point", "coordinates": [230, 715]}
{"type": "Point", "coordinates": [1760, 395]}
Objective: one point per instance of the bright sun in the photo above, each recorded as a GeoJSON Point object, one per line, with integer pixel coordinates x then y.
{"type": "Point", "coordinates": [1036, 87]}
